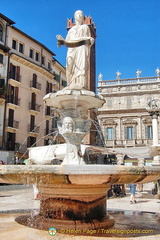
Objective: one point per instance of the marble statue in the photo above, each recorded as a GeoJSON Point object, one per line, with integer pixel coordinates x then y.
{"type": "Point", "coordinates": [79, 42]}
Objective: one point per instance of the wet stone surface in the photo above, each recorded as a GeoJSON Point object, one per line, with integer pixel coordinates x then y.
{"type": "Point", "coordinates": [128, 224]}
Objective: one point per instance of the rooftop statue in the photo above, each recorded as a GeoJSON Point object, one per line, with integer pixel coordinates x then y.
{"type": "Point", "coordinates": [79, 42]}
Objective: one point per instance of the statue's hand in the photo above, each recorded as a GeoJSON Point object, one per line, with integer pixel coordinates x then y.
{"type": "Point", "coordinates": [59, 37]}
{"type": "Point", "coordinates": [61, 40]}
{"type": "Point", "coordinates": [92, 41]}
{"type": "Point", "coordinates": [89, 41]}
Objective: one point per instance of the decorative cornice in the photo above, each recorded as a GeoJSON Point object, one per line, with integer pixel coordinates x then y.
{"type": "Point", "coordinates": [129, 122]}
{"type": "Point", "coordinates": [109, 122]}
{"type": "Point", "coordinates": [34, 66]}
{"type": "Point", "coordinates": [121, 111]}
{"type": "Point", "coordinates": [147, 120]}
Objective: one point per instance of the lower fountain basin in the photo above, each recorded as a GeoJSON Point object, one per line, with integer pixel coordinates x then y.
{"type": "Point", "coordinates": [78, 174]}
{"type": "Point", "coordinates": [74, 194]}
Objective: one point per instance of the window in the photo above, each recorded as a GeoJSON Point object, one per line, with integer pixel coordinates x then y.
{"type": "Point", "coordinates": [37, 56]}
{"type": "Point", "coordinates": [1, 33]}
{"type": "Point", "coordinates": [43, 60]}
{"type": "Point", "coordinates": [1, 58]}
{"type": "Point", "coordinates": [48, 87]}
{"type": "Point", "coordinates": [32, 123]}
{"type": "Point", "coordinates": [49, 65]}
{"type": "Point", "coordinates": [21, 48]}
{"type": "Point", "coordinates": [31, 141]}
{"type": "Point", "coordinates": [109, 133]}
{"type": "Point", "coordinates": [55, 121]}
{"type": "Point", "coordinates": [14, 72]}
{"type": "Point", "coordinates": [130, 133]}
{"type": "Point", "coordinates": [64, 83]}
{"type": "Point", "coordinates": [11, 141]}
{"type": "Point", "coordinates": [34, 82]}
{"type": "Point", "coordinates": [149, 132]}
{"type": "Point", "coordinates": [11, 118]}
{"type": "Point", "coordinates": [31, 53]}
{"type": "Point", "coordinates": [2, 81]}
{"type": "Point", "coordinates": [129, 103]}
{"type": "Point", "coordinates": [14, 44]}
{"type": "Point", "coordinates": [33, 101]}
{"type": "Point", "coordinates": [109, 103]}
{"type": "Point", "coordinates": [47, 127]}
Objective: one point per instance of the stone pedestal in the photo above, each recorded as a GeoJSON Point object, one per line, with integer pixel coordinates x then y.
{"type": "Point", "coordinates": [72, 207]}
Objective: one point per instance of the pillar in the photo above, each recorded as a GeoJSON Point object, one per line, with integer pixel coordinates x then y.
{"type": "Point", "coordinates": [120, 159]}
{"type": "Point", "coordinates": [156, 159]}
{"type": "Point", "coordinates": [141, 162]}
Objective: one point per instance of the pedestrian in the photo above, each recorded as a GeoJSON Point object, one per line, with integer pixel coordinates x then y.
{"type": "Point", "coordinates": [133, 192]}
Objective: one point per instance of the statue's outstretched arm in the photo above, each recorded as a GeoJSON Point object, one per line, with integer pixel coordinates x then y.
{"type": "Point", "coordinates": [75, 43]}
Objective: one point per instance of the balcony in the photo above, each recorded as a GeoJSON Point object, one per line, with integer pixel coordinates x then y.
{"type": "Point", "coordinates": [48, 112]}
{"type": "Point", "coordinates": [14, 79]}
{"type": "Point", "coordinates": [50, 134]}
{"type": "Point", "coordinates": [13, 100]}
{"type": "Point", "coordinates": [35, 86]}
{"type": "Point", "coordinates": [3, 92]}
{"type": "Point", "coordinates": [128, 143]}
{"type": "Point", "coordinates": [128, 81]}
{"type": "Point", "coordinates": [2, 99]}
{"type": "Point", "coordinates": [33, 130]}
{"type": "Point", "coordinates": [12, 125]}
{"type": "Point", "coordinates": [34, 107]}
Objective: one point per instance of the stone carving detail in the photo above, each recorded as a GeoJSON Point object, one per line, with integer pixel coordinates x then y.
{"type": "Point", "coordinates": [154, 104]}
{"type": "Point", "coordinates": [109, 122]}
{"type": "Point", "coordinates": [128, 88]}
{"type": "Point", "coordinates": [147, 120]}
{"type": "Point", "coordinates": [129, 122]}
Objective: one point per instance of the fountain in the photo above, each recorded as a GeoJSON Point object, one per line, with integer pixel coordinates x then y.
{"type": "Point", "coordinates": [73, 194]}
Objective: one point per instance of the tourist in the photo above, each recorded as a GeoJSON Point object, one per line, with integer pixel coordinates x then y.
{"type": "Point", "coordinates": [133, 192]}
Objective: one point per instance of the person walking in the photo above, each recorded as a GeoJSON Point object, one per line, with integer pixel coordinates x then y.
{"type": "Point", "coordinates": [133, 192]}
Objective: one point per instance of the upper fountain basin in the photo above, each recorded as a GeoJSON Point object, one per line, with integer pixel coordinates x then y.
{"type": "Point", "coordinates": [68, 98]}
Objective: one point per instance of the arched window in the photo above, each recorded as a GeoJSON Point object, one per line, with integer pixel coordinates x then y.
{"type": "Point", "coordinates": [1, 33]}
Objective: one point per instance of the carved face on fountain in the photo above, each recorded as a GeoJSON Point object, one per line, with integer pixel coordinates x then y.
{"type": "Point", "coordinates": [68, 125]}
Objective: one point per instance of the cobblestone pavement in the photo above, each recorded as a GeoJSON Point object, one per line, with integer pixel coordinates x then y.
{"type": "Point", "coordinates": [143, 217]}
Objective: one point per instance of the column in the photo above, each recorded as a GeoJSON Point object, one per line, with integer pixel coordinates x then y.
{"type": "Point", "coordinates": [141, 162]}
{"type": "Point", "coordinates": [156, 159]}
{"type": "Point", "coordinates": [120, 159]}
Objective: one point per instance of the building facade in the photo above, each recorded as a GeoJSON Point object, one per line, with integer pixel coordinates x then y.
{"type": "Point", "coordinates": [124, 120]}
{"type": "Point", "coordinates": [28, 71]}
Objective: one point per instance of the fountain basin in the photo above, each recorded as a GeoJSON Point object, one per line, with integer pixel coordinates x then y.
{"type": "Point", "coordinates": [74, 197]}
{"type": "Point", "coordinates": [67, 98]}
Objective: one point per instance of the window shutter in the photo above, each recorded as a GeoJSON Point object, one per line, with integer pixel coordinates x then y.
{"type": "Point", "coordinates": [18, 73]}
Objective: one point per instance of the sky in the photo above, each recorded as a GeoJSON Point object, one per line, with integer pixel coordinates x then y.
{"type": "Point", "coordinates": [128, 36]}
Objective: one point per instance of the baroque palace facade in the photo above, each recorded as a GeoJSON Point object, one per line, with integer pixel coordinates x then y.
{"type": "Point", "coordinates": [124, 120]}
{"type": "Point", "coordinates": [28, 71]}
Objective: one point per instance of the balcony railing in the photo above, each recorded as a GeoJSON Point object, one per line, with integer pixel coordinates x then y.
{"type": "Point", "coordinates": [12, 124]}
{"type": "Point", "coordinates": [51, 133]}
{"type": "Point", "coordinates": [33, 129]}
{"type": "Point", "coordinates": [128, 81]}
{"type": "Point", "coordinates": [35, 85]}
{"type": "Point", "coordinates": [13, 100]}
{"type": "Point", "coordinates": [34, 107]}
{"type": "Point", "coordinates": [128, 142]}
